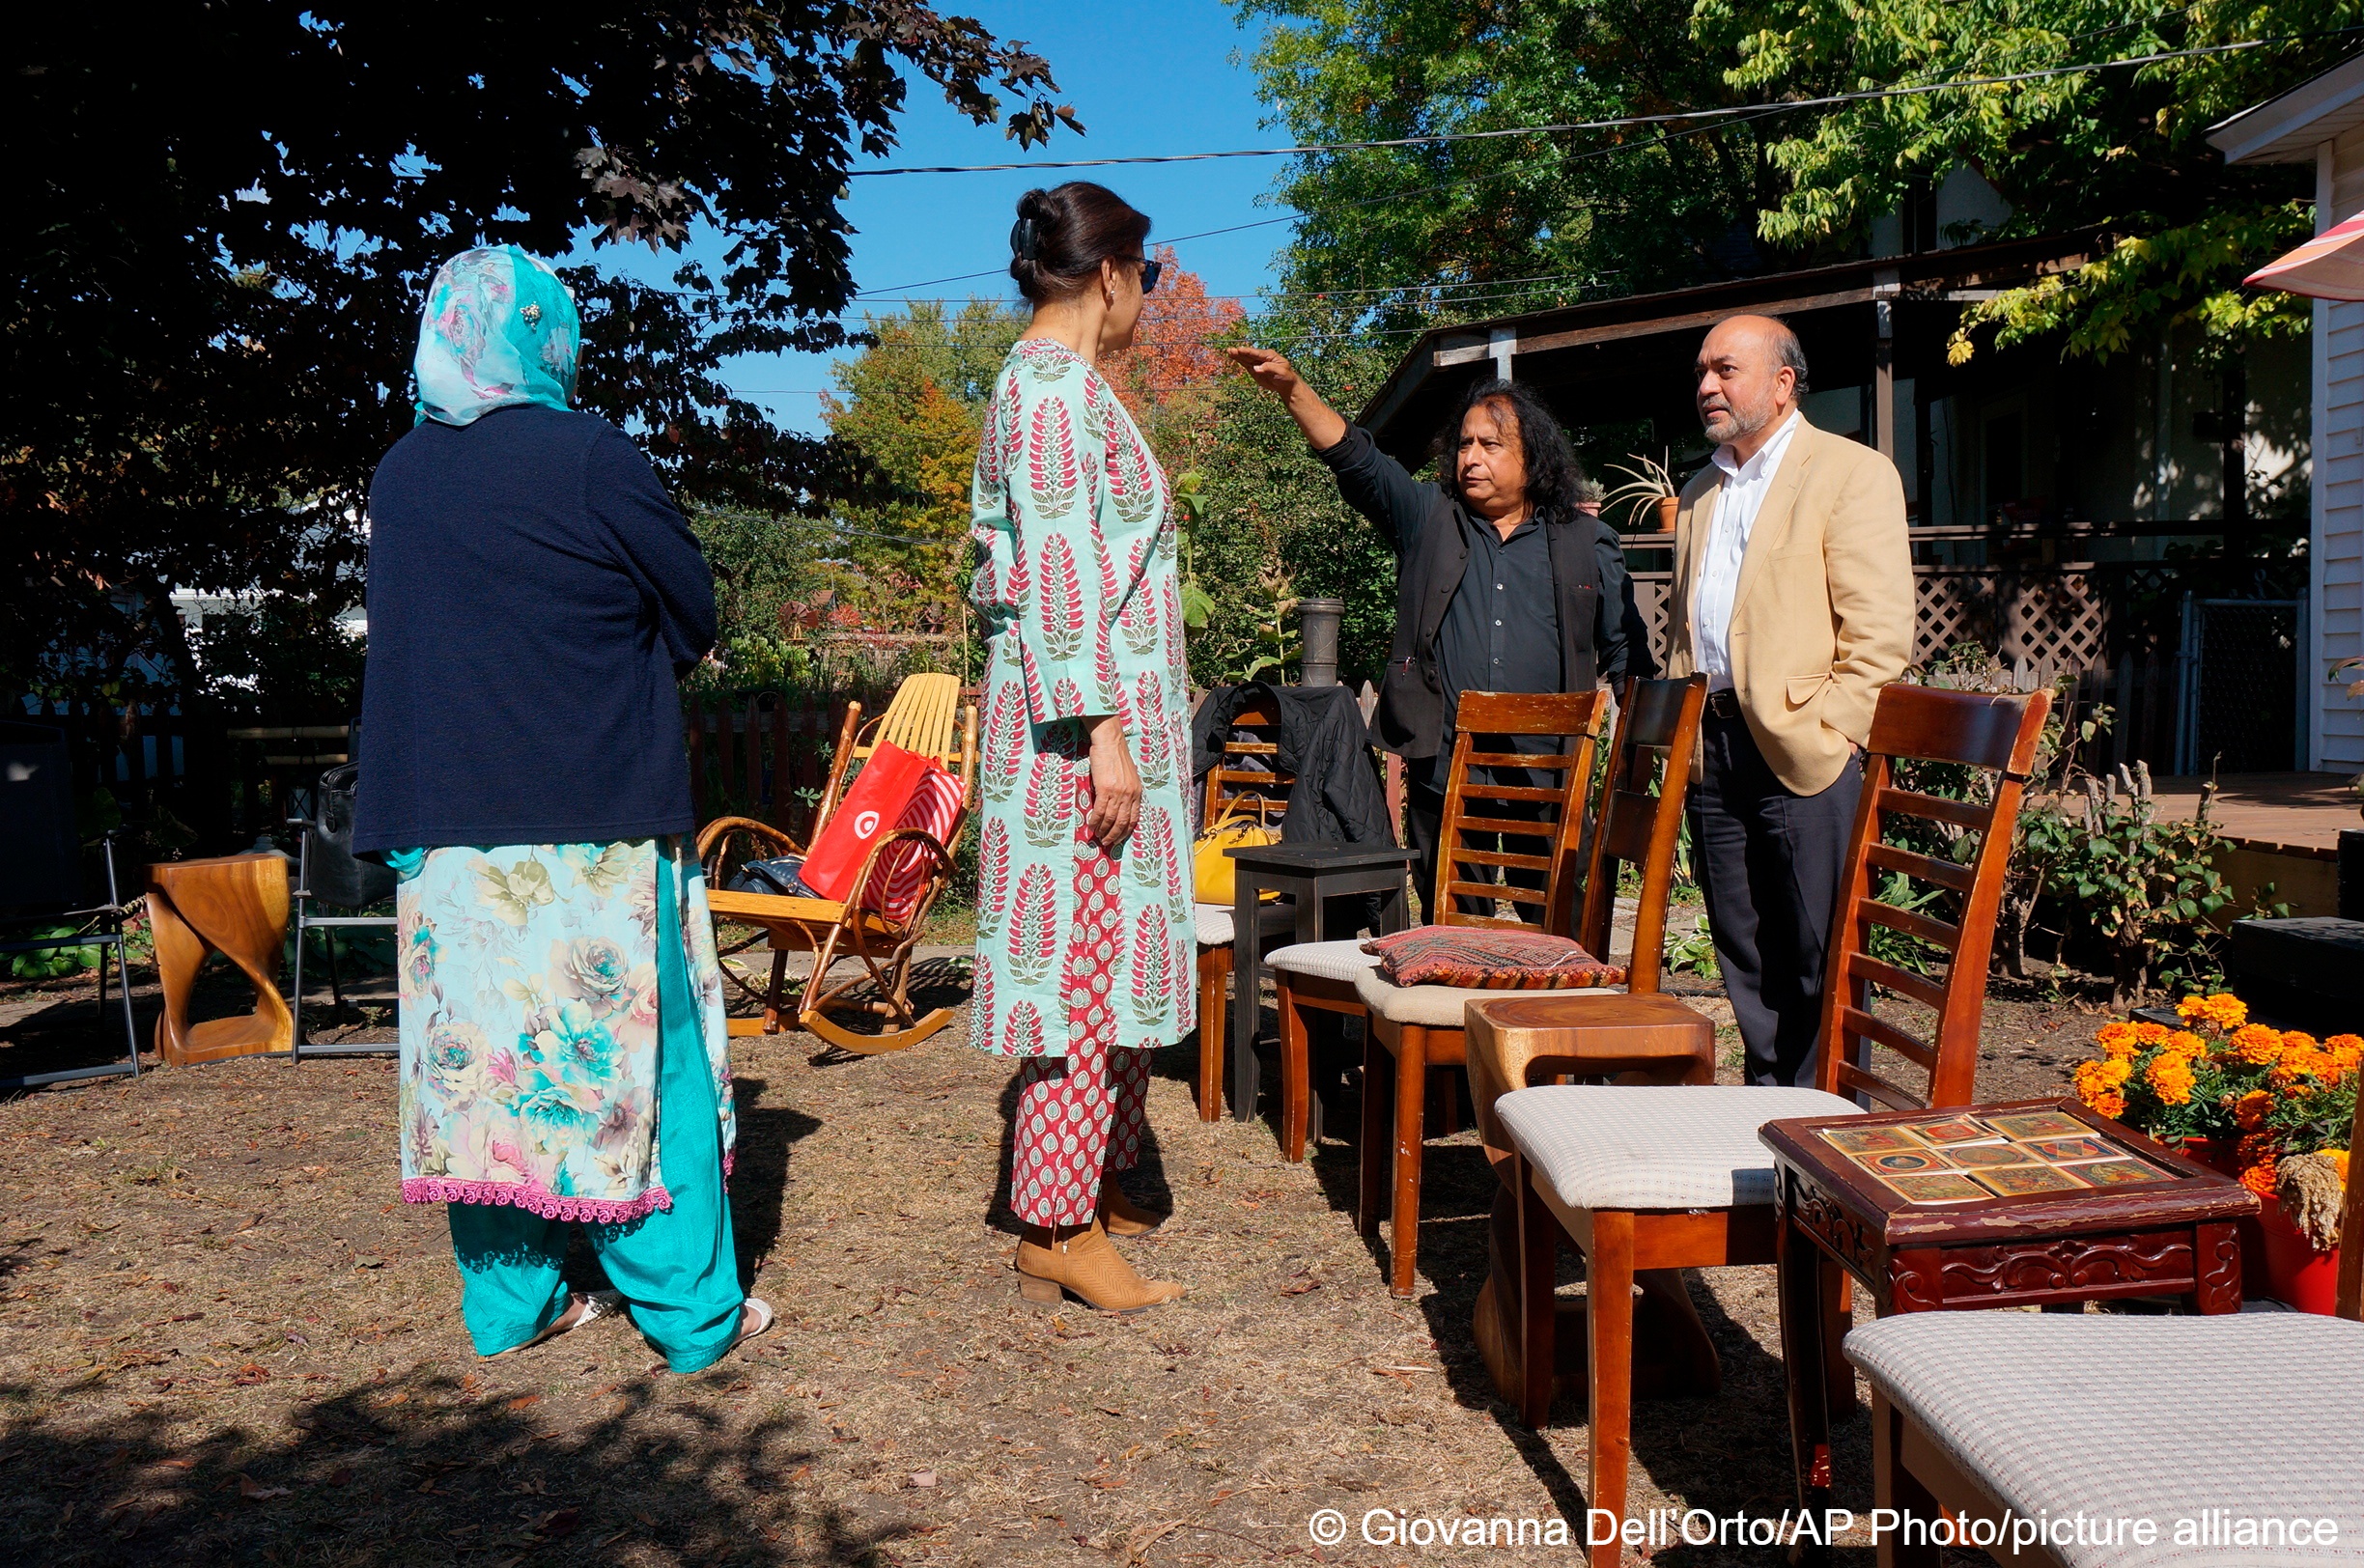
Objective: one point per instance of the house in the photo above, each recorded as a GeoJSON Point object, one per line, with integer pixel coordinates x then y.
{"type": "Point", "coordinates": [2320, 122]}
{"type": "Point", "coordinates": [2074, 516]}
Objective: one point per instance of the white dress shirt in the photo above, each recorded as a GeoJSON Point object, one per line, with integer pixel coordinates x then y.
{"type": "Point", "coordinates": [1737, 503]}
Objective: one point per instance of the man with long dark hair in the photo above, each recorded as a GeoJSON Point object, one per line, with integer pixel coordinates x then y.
{"type": "Point", "coordinates": [1502, 584]}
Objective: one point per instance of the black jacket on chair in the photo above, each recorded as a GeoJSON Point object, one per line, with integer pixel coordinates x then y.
{"type": "Point", "coordinates": [1602, 633]}
{"type": "Point", "coordinates": [1322, 740]}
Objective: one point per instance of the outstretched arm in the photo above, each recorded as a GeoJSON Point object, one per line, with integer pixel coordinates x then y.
{"type": "Point", "coordinates": [1372, 482]}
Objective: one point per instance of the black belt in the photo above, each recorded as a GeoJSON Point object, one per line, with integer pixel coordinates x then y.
{"type": "Point", "coordinates": [1724, 702]}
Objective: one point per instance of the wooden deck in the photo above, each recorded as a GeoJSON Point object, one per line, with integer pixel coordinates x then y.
{"type": "Point", "coordinates": [2290, 810]}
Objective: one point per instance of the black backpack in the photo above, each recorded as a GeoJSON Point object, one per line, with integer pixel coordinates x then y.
{"type": "Point", "coordinates": [336, 874]}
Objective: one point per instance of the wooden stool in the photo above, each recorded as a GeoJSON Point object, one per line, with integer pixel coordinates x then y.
{"type": "Point", "coordinates": [1536, 1037]}
{"type": "Point", "coordinates": [236, 906]}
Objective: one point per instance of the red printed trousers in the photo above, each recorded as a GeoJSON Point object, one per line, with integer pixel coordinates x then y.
{"type": "Point", "coordinates": [1082, 1116]}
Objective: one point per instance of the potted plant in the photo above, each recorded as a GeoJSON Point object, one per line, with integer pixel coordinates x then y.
{"type": "Point", "coordinates": [1649, 491]}
{"type": "Point", "coordinates": [2246, 1098]}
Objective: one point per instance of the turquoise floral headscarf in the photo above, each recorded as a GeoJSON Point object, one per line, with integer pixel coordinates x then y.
{"type": "Point", "coordinates": [499, 329]}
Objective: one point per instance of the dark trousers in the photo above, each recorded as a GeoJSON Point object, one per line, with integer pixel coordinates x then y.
{"type": "Point", "coordinates": [1768, 864]}
{"type": "Point", "coordinates": [1424, 821]}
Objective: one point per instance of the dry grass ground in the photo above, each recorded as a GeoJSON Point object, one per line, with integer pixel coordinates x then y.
{"type": "Point", "coordinates": [223, 1338]}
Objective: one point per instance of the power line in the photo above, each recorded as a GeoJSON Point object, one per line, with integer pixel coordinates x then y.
{"type": "Point", "coordinates": [1661, 140]}
{"type": "Point", "coordinates": [1620, 121]}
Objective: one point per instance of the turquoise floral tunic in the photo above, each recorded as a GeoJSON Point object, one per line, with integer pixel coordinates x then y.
{"type": "Point", "coordinates": [529, 1026]}
{"type": "Point", "coordinates": [1077, 592]}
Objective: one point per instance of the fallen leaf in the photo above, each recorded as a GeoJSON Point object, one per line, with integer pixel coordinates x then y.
{"type": "Point", "coordinates": [1109, 1410]}
{"type": "Point", "coordinates": [1300, 1285]}
{"type": "Point", "coordinates": [247, 1376]}
{"type": "Point", "coordinates": [923, 1478]}
{"type": "Point", "coordinates": [523, 1400]}
{"type": "Point", "coordinates": [250, 1487]}
{"type": "Point", "coordinates": [177, 1463]}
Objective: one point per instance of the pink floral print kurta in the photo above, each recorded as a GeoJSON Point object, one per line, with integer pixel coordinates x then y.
{"type": "Point", "coordinates": [1080, 607]}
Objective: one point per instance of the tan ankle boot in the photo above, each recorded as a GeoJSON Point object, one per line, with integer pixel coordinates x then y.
{"type": "Point", "coordinates": [1080, 1260]}
{"type": "Point", "coordinates": [1121, 1216]}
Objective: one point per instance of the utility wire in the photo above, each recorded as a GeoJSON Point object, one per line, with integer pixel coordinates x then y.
{"type": "Point", "coordinates": [1622, 120]}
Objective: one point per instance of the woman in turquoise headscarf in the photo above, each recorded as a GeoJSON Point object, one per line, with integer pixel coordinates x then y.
{"type": "Point", "coordinates": [533, 599]}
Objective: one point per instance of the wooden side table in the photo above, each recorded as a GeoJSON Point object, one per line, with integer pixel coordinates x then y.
{"type": "Point", "coordinates": [236, 906]}
{"type": "Point", "coordinates": [1310, 875]}
{"type": "Point", "coordinates": [2153, 1224]}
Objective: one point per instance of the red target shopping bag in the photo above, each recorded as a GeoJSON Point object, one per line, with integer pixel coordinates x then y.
{"type": "Point", "coordinates": [881, 798]}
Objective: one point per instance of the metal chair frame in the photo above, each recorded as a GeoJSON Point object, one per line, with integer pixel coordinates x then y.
{"type": "Point", "coordinates": [109, 917]}
{"type": "Point", "coordinates": [300, 897]}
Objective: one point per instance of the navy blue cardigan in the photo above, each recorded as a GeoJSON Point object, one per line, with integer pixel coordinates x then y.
{"type": "Point", "coordinates": [534, 595]}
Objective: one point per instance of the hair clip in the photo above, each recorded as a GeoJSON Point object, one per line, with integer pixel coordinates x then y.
{"type": "Point", "coordinates": [1025, 240]}
{"type": "Point", "coordinates": [532, 315]}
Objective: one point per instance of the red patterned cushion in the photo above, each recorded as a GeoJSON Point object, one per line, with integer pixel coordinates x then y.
{"type": "Point", "coordinates": [1480, 958]}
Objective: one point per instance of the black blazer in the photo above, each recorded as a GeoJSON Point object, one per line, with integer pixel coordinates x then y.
{"type": "Point", "coordinates": [1601, 633]}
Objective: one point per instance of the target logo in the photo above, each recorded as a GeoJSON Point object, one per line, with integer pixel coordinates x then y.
{"type": "Point", "coordinates": [865, 824]}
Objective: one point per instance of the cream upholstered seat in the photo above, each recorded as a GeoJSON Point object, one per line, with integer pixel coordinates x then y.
{"type": "Point", "coordinates": [1440, 1007]}
{"type": "Point", "coordinates": [1654, 1146]}
{"type": "Point", "coordinates": [1214, 924]}
{"type": "Point", "coordinates": [1328, 961]}
{"type": "Point", "coordinates": [2137, 1418]}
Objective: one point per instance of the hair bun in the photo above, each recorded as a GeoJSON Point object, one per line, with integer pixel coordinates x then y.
{"type": "Point", "coordinates": [1062, 235]}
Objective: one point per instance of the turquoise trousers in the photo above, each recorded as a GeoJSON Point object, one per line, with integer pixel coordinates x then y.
{"type": "Point", "coordinates": [677, 1269]}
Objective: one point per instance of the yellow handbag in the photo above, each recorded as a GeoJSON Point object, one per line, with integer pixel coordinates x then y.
{"type": "Point", "coordinates": [1215, 873]}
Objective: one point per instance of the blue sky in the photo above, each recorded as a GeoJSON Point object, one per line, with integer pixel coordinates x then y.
{"type": "Point", "coordinates": [1142, 78]}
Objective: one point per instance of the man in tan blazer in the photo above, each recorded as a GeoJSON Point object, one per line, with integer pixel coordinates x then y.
{"type": "Point", "coordinates": [1794, 593]}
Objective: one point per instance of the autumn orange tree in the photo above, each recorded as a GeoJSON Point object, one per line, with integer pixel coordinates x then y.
{"type": "Point", "coordinates": [1169, 379]}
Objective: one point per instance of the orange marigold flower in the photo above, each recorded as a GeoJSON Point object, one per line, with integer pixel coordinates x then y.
{"type": "Point", "coordinates": [2297, 1041]}
{"type": "Point", "coordinates": [2170, 1078]}
{"type": "Point", "coordinates": [2250, 1109]}
{"type": "Point", "coordinates": [2115, 1033]}
{"type": "Point", "coordinates": [2227, 1011]}
{"type": "Point", "coordinates": [2112, 1106]}
{"type": "Point", "coordinates": [2345, 1041]}
{"type": "Point", "coordinates": [2151, 1034]}
{"type": "Point", "coordinates": [2114, 1073]}
{"type": "Point", "coordinates": [2120, 1048]}
{"type": "Point", "coordinates": [2299, 1067]}
{"type": "Point", "coordinates": [2259, 1179]}
{"type": "Point", "coordinates": [2193, 1007]}
{"type": "Point", "coordinates": [2339, 1160]}
{"type": "Point", "coordinates": [2344, 1059]}
{"type": "Point", "coordinates": [2258, 1045]}
{"type": "Point", "coordinates": [2185, 1042]}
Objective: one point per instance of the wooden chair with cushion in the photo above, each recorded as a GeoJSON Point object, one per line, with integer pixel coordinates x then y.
{"type": "Point", "coordinates": [1523, 1038]}
{"type": "Point", "coordinates": [2052, 1415]}
{"type": "Point", "coordinates": [879, 925]}
{"type": "Point", "coordinates": [1408, 1030]}
{"type": "Point", "coordinates": [1673, 1177]}
{"type": "Point", "coordinates": [1265, 790]}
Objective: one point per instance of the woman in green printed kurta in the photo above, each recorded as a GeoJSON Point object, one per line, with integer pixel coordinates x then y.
{"type": "Point", "coordinates": [1085, 944]}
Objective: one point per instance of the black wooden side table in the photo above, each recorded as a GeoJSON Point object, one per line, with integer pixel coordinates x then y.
{"type": "Point", "coordinates": [1310, 875]}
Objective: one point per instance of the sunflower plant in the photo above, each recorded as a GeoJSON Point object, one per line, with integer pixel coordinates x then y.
{"type": "Point", "coordinates": [2265, 1093]}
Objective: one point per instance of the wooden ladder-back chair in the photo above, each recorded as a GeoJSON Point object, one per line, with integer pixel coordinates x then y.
{"type": "Point", "coordinates": [1408, 1030]}
{"type": "Point", "coordinates": [1516, 1039]}
{"type": "Point", "coordinates": [1674, 1176]}
{"type": "Point", "coordinates": [2012, 1447]}
{"type": "Point", "coordinates": [1231, 786]}
{"type": "Point", "coordinates": [926, 716]}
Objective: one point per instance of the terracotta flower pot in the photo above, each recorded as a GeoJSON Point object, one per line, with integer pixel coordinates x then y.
{"type": "Point", "coordinates": [1668, 506]}
{"type": "Point", "coordinates": [2295, 1273]}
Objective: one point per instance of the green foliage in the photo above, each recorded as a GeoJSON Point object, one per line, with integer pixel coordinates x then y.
{"type": "Point", "coordinates": [1267, 526]}
{"type": "Point", "coordinates": [291, 656]}
{"type": "Point", "coordinates": [1693, 951]}
{"type": "Point", "coordinates": [2149, 888]}
{"type": "Point", "coordinates": [2121, 150]}
{"type": "Point", "coordinates": [54, 963]}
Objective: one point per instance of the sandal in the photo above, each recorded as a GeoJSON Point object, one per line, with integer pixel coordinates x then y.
{"type": "Point", "coordinates": [761, 1311]}
{"type": "Point", "coordinates": [582, 1307]}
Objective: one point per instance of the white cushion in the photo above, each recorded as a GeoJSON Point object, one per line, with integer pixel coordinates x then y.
{"type": "Point", "coordinates": [1440, 1007]}
{"type": "Point", "coordinates": [1652, 1146]}
{"type": "Point", "coordinates": [1331, 960]}
{"type": "Point", "coordinates": [2251, 1413]}
{"type": "Point", "coordinates": [1214, 922]}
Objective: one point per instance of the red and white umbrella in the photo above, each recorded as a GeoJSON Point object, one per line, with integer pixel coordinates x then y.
{"type": "Point", "coordinates": [2328, 267]}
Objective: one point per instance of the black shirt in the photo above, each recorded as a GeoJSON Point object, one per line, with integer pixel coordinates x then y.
{"type": "Point", "coordinates": [1501, 633]}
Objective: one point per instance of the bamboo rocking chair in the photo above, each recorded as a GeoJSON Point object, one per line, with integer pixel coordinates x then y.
{"type": "Point", "coordinates": [926, 717]}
